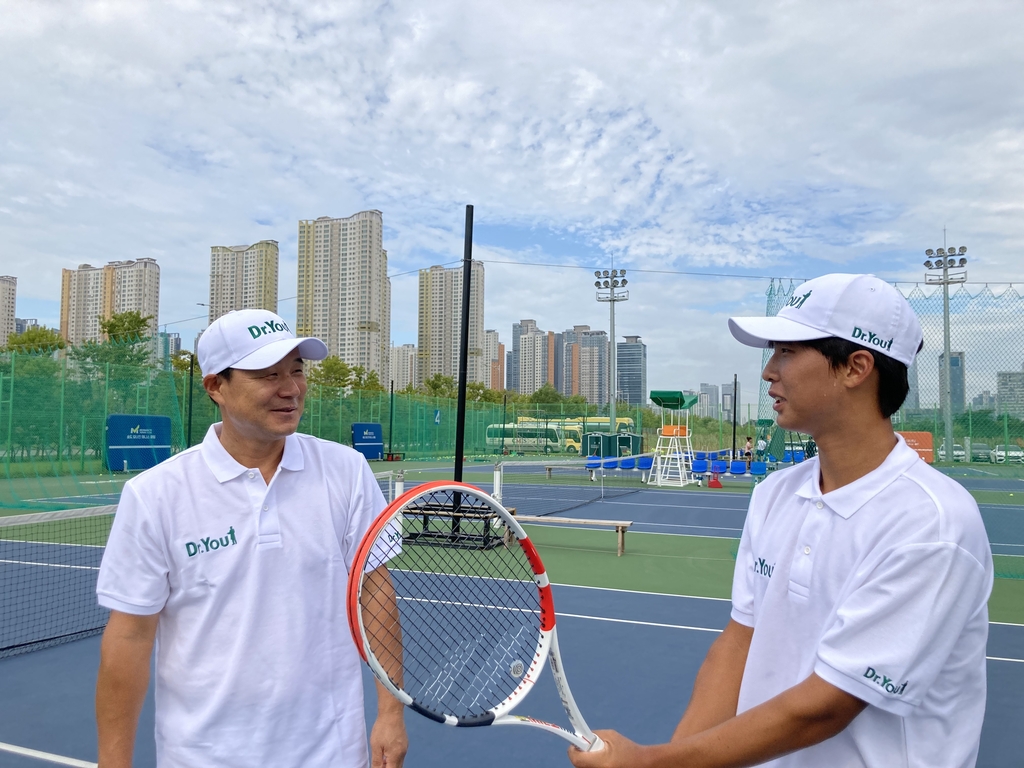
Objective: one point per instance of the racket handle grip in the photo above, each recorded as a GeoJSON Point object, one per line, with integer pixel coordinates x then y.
{"type": "Point", "coordinates": [597, 745]}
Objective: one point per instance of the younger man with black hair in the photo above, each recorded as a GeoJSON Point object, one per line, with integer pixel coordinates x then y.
{"type": "Point", "coordinates": [859, 617]}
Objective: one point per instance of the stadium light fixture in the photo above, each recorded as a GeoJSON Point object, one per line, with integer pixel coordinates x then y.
{"type": "Point", "coordinates": [939, 274]}
{"type": "Point", "coordinates": [608, 285]}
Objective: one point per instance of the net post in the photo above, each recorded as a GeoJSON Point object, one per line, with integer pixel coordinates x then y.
{"type": "Point", "coordinates": [497, 483]}
{"type": "Point", "coordinates": [399, 483]}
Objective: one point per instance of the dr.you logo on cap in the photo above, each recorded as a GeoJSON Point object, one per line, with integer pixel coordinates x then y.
{"type": "Point", "coordinates": [271, 326]}
{"type": "Point", "coordinates": [798, 301]}
{"type": "Point", "coordinates": [869, 337]}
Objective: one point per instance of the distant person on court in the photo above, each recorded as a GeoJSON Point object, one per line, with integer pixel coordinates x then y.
{"type": "Point", "coordinates": [233, 556]}
{"type": "Point", "coordinates": [748, 449]}
{"type": "Point", "coordinates": [762, 446]}
{"type": "Point", "coordinates": [859, 602]}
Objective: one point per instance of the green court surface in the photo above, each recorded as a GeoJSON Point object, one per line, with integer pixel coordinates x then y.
{"type": "Point", "coordinates": [697, 566]}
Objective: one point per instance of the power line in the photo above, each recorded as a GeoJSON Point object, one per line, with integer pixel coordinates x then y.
{"type": "Point", "coordinates": [709, 274]}
{"type": "Point", "coordinates": [647, 271]}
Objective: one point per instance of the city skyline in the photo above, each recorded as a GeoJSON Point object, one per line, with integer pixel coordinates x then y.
{"type": "Point", "coordinates": [343, 294]}
{"type": "Point", "coordinates": [91, 294]}
{"type": "Point", "coordinates": [243, 277]}
{"type": "Point", "coordinates": [439, 326]}
{"type": "Point", "coordinates": [603, 150]}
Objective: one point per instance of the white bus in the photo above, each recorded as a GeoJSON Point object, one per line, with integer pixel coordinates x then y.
{"type": "Point", "coordinates": [539, 438]}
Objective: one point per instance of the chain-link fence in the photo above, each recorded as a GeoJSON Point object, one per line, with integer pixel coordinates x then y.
{"type": "Point", "coordinates": [54, 412]}
{"type": "Point", "coordinates": [986, 398]}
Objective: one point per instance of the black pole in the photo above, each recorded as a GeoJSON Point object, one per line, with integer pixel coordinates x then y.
{"type": "Point", "coordinates": [467, 276]}
{"type": "Point", "coordinates": [391, 422]}
{"type": "Point", "coordinates": [734, 398]}
{"type": "Point", "coordinates": [191, 374]}
{"type": "Point", "coordinates": [504, 420]}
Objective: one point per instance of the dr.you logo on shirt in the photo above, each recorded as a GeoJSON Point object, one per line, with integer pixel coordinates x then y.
{"type": "Point", "coordinates": [211, 544]}
{"type": "Point", "coordinates": [763, 568]}
{"type": "Point", "coordinates": [887, 684]}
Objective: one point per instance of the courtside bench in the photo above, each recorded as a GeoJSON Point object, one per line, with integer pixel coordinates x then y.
{"type": "Point", "coordinates": [620, 526]}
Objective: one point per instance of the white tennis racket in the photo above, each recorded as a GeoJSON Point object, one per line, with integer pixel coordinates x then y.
{"type": "Point", "coordinates": [450, 606]}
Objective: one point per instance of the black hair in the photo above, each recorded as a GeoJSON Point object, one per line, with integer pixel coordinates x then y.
{"type": "Point", "coordinates": [893, 385]}
{"type": "Point", "coordinates": [226, 375]}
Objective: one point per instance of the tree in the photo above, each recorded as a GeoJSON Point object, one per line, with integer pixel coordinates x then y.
{"type": "Point", "coordinates": [181, 361]}
{"type": "Point", "coordinates": [127, 342]}
{"type": "Point", "coordinates": [36, 339]}
{"type": "Point", "coordinates": [546, 395]}
{"type": "Point", "coordinates": [331, 372]}
{"type": "Point", "coordinates": [126, 327]}
{"type": "Point", "coordinates": [365, 381]}
{"type": "Point", "coordinates": [440, 385]}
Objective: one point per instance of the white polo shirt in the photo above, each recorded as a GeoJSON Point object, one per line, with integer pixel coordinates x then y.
{"type": "Point", "coordinates": [255, 665]}
{"type": "Point", "coordinates": [880, 588]}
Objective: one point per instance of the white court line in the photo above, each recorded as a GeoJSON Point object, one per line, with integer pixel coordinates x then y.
{"type": "Point", "coordinates": [700, 597]}
{"type": "Point", "coordinates": [52, 565]}
{"type": "Point", "coordinates": [701, 629]}
{"type": "Point", "coordinates": [51, 758]}
{"type": "Point", "coordinates": [673, 506]}
{"type": "Point", "coordinates": [641, 592]}
{"type": "Point", "coordinates": [607, 524]}
{"type": "Point", "coordinates": [682, 525]}
{"type": "Point", "coordinates": [638, 623]}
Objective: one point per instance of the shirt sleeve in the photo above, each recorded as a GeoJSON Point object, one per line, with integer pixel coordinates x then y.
{"type": "Point", "coordinates": [742, 586]}
{"type": "Point", "coordinates": [133, 574]}
{"type": "Point", "coordinates": [367, 502]}
{"type": "Point", "coordinates": [893, 634]}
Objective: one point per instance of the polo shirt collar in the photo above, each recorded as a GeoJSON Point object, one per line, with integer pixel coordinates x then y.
{"type": "Point", "coordinates": [848, 499]}
{"type": "Point", "coordinates": [224, 466]}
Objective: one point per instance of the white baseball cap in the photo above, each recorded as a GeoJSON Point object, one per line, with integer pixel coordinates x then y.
{"type": "Point", "coordinates": [858, 308]}
{"type": "Point", "coordinates": [251, 339]}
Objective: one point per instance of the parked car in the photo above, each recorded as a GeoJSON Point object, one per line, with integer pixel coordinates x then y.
{"type": "Point", "coordinates": [959, 454]}
{"type": "Point", "coordinates": [980, 452]}
{"type": "Point", "coordinates": [1000, 454]}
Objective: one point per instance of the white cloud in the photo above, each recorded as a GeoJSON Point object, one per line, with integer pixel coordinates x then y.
{"type": "Point", "coordinates": [785, 138]}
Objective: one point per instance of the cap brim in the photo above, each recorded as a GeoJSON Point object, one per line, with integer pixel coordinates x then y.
{"type": "Point", "coordinates": [762, 331]}
{"type": "Point", "coordinates": [276, 351]}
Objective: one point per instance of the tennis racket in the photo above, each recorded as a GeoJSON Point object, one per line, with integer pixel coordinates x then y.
{"type": "Point", "coordinates": [449, 605]}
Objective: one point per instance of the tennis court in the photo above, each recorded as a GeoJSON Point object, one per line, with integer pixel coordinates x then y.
{"type": "Point", "coordinates": [633, 629]}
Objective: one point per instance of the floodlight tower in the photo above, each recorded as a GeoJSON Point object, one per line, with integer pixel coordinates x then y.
{"type": "Point", "coordinates": [606, 284]}
{"type": "Point", "coordinates": [939, 264]}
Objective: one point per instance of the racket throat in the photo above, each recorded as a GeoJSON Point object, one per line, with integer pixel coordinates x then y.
{"type": "Point", "coordinates": [579, 725]}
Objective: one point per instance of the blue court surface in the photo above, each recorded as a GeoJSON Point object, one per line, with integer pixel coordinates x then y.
{"type": "Point", "coordinates": [631, 657]}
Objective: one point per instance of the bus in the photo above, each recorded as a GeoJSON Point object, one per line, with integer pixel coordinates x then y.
{"type": "Point", "coordinates": [574, 427]}
{"type": "Point", "coordinates": [538, 438]}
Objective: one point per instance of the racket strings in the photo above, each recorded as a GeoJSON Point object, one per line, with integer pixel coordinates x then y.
{"type": "Point", "coordinates": [469, 617]}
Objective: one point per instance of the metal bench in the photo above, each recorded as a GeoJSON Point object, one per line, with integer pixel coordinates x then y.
{"type": "Point", "coordinates": [620, 526]}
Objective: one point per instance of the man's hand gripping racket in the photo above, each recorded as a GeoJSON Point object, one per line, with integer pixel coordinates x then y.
{"type": "Point", "coordinates": [450, 606]}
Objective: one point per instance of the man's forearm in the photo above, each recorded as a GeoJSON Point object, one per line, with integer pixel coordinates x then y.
{"type": "Point", "coordinates": [388, 705]}
{"type": "Point", "coordinates": [717, 687]}
{"type": "Point", "coordinates": [800, 717]}
{"type": "Point", "coordinates": [121, 686]}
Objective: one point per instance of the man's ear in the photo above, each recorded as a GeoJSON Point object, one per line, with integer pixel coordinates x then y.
{"type": "Point", "coordinates": [858, 368]}
{"type": "Point", "coordinates": [212, 385]}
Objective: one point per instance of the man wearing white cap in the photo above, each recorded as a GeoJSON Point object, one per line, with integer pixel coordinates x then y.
{"type": "Point", "coordinates": [859, 605]}
{"type": "Point", "coordinates": [233, 557]}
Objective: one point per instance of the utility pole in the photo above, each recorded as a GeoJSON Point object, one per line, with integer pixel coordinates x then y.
{"type": "Point", "coordinates": [939, 274]}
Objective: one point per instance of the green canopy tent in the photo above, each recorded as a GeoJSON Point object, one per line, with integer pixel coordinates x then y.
{"type": "Point", "coordinates": [673, 399]}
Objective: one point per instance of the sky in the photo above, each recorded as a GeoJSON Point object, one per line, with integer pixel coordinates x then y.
{"type": "Point", "coordinates": [704, 147]}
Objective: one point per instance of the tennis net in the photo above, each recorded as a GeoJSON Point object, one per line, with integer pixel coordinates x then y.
{"type": "Point", "coordinates": [549, 487]}
{"type": "Point", "coordinates": [49, 563]}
